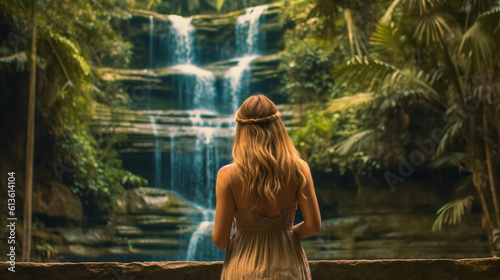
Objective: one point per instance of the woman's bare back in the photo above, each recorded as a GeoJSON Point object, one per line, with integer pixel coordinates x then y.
{"type": "Point", "coordinates": [287, 197]}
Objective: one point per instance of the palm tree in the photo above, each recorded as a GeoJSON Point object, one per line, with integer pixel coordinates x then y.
{"type": "Point", "coordinates": [447, 53]}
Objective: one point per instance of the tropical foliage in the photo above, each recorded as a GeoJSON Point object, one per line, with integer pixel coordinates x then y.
{"type": "Point", "coordinates": [426, 73]}
{"type": "Point", "coordinates": [73, 37]}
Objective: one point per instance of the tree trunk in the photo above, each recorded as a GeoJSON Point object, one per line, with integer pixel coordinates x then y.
{"type": "Point", "coordinates": [490, 170]}
{"type": "Point", "coordinates": [29, 143]}
{"type": "Point", "coordinates": [479, 183]}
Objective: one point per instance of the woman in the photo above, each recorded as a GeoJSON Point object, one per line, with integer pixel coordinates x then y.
{"type": "Point", "coordinates": [260, 190]}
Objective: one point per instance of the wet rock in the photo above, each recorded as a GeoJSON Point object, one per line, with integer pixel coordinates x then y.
{"type": "Point", "coordinates": [151, 201]}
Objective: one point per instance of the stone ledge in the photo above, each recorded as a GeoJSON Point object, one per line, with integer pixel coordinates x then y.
{"type": "Point", "coordinates": [421, 269]}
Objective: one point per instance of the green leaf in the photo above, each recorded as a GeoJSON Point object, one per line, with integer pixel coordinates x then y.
{"type": "Point", "coordinates": [479, 44]}
{"type": "Point", "coordinates": [346, 102]}
{"type": "Point", "coordinates": [449, 136]}
{"type": "Point", "coordinates": [357, 141]}
{"type": "Point", "coordinates": [432, 27]}
{"type": "Point", "coordinates": [220, 3]}
{"type": "Point", "coordinates": [386, 77]}
{"type": "Point", "coordinates": [452, 212]}
{"type": "Point", "coordinates": [74, 52]}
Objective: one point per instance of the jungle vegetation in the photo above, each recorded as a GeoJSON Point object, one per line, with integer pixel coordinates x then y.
{"type": "Point", "coordinates": [397, 85]}
{"type": "Point", "coordinates": [72, 38]}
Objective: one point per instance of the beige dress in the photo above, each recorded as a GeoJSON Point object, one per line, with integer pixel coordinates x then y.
{"type": "Point", "coordinates": [264, 248]}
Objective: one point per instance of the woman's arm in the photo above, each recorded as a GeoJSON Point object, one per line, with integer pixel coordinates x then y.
{"type": "Point", "coordinates": [224, 211]}
{"type": "Point", "coordinates": [309, 208]}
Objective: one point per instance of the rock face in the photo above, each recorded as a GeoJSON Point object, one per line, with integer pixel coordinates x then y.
{"type": "Point", "coordinates": [438, 269]}
{"type": "Point", "coordinates": [57, 201]}
{"type": "Point", "coordinates": [141, 135]}
{"type": "Point", "coordinates": [365, 219]}
{"type": "Point", "coordinates": [149, 223]}
{"type": "Point", "coordinates": [152, 69]}
{"type": "Point", "coordinates": [214, 34]}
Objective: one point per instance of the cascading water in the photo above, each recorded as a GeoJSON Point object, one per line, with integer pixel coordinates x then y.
{"type": "Point", "coordinates": [181, 39]}
{"type": "Point", "coordinates": [196, 85]}
{"type": "Point", "coordinates": [234, 89]}
{"type": "Point", "coordinates": [151, 34]}
{"type": "Point", "coordinates": [158, 171]}
{"type": "Point", "coordinates": [248, 38]}
{"type": "Point", "coordinates": [192, 172]}
{"type": "Point", "coordinates": [249, 43]}
{"type": "Point", "coordinates": [197, 89]}
{"type": "Point", "coordinates": [152, 119]}
{"type": "Point", "coordinates": [197, 147]}
{"type": "Point", "coordinates": [199, 234]}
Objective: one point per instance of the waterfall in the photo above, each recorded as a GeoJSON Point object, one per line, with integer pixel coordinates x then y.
{"type": "Point", "coordinates": [151, 34]}
{"type": "Point", "coordinates": [194, 161]}
{"type": "Point", "coordinates": [199, 233]}
{"type": "Point", "coordinates": [181, 39]}
{"type": "Point", "coordinates": [197, 149]}
{"type": "Point", "coordinates": [248, 45]}
{"type": "Point", "coordinates": [234, 90]}
{"type": "Point", "coordinates": [198, 89]}
{"type": "Point", "coordinates": [158, 171]}
{"type": "Point", "coordinates": [248, 39]}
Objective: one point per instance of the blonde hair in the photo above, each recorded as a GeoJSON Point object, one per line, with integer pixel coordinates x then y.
{"type": "Point", "coordinates": [263, 153]}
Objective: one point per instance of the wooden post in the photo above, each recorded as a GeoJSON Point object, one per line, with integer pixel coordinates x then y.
{"type": "Point", "coordinates": [29, 143]}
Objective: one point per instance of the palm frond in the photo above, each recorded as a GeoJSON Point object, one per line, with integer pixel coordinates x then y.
{"type": "Point", "coordinates": [452, 212]}
{"type": "Point", "coordinates": [8, 56]}
{"type": "Point", "coordinates": [356, 141]}
{"type": "Point", "coordinates": [479, 43]}
{"type": "Point", "coordinates": [423, 6]}
{"type": "Point", "coordinates": [447, 160]}
{"type": "Point", "coordinates": [389, 39]}
{"type": "Point", "coordinates": [473, 8]}
{"type": "Point", "coordinates": [355, 40]}
{"type": "Point", "coordinates": [494, 11]}
{"type": "Point", "coordinates": [382, 76]}
{"type": "Point", "coordinates": [343, 103]}
{"type": "Point", "coordinates": [388, 14]}
{"type": "Point", "coordinates": [449, 135]}
{"type": "Point", "coordinates": [432, 27]}
{"type": "Point", "coordinates": [19, 57]}
{"type": "Point", "coordinates": [496, 237]}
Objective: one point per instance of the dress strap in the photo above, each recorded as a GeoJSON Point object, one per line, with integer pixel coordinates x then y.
{"type": "Point", "coordinates": [232, 188]}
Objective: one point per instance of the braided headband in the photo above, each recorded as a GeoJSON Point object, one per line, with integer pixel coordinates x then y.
{"type": "Point", "coordinates": [257, 120]}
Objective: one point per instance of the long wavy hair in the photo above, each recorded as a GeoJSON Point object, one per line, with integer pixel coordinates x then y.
{"type": "Point", "coordinates": [264, 154]}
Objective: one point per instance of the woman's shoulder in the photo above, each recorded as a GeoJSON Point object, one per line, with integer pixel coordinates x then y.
{"type": "Point", "coordinates": [226, 168]}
